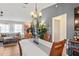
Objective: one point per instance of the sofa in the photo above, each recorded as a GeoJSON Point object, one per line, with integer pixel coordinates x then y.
{"type": "Point", "coordinates": [9, 38]}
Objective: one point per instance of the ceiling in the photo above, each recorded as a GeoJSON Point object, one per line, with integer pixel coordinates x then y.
{"type": "Point", "coordinates": [20, 11]}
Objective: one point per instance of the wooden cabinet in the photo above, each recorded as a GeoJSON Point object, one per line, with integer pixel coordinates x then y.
{"type": "Point", "coordinates": [74, 47]}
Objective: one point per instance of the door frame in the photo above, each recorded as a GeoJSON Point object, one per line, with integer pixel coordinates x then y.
{"type": "Point", "coordinates": [53, 19]}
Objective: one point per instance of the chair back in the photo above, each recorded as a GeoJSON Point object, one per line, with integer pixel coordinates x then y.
{"type": "Point", "coordinates": [57, 48]}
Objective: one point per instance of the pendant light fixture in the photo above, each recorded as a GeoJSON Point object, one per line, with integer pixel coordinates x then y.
{"type": "Point", "coordinates": [36, 13]}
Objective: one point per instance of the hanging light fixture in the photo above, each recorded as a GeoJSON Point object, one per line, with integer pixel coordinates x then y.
{"type": "Point", "coordinates": [36, 13]}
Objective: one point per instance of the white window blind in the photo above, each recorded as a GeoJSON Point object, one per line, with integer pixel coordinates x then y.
{"type": "Point", "coordinates": [4, 28]}
{"type": "Point", "coordinates": [18, 28]}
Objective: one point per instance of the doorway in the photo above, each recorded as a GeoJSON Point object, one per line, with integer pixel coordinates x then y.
{"type": "Point", "coordinates": [59, 31]}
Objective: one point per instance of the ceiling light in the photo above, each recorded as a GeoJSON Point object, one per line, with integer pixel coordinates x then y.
{"type": "Point", "coordinates": [56, 5]}
{"type": "Point", "coordinates": [36, 13]}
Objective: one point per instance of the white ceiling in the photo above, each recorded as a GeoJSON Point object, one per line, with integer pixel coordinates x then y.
{"type": "Point", "coordinates": [20, 11]}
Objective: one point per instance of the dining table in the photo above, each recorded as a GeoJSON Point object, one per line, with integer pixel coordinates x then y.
{"type": "Point", "coordinates": [29, 48]}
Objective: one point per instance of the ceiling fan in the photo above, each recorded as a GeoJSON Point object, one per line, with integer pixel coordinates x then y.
{"type": "Point", "coordinates": [25, 3]}
{"type": "Point", "coordinates": [1, 13]}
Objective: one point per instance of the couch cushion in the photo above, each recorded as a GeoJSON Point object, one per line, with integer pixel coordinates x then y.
{"type": "Point", "coordinates": [8, 40]}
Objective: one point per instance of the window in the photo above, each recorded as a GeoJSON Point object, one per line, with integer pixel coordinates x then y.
{"type": "Point", "coordinates": [18, 28]}
{"type": "Point", "coordinates": [7, 28]}
{"type": "Point", "coordinates": [4, 28]}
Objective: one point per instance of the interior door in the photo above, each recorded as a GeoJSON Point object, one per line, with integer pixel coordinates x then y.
{"type": "Point", "coordinates": [59, 30]}
{"type": "Point", "coordinates": [56, 30]}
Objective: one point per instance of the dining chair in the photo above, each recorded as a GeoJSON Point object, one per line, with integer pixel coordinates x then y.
{"type": "Point", "coordinates": [57, 48]}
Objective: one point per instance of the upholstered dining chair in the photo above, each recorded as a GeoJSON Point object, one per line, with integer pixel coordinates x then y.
{"type": "Point", "coordinates": [57, 48]}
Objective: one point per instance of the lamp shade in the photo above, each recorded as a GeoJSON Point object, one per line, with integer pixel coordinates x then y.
{"type": "Point", "coordinates": [40, 14]}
